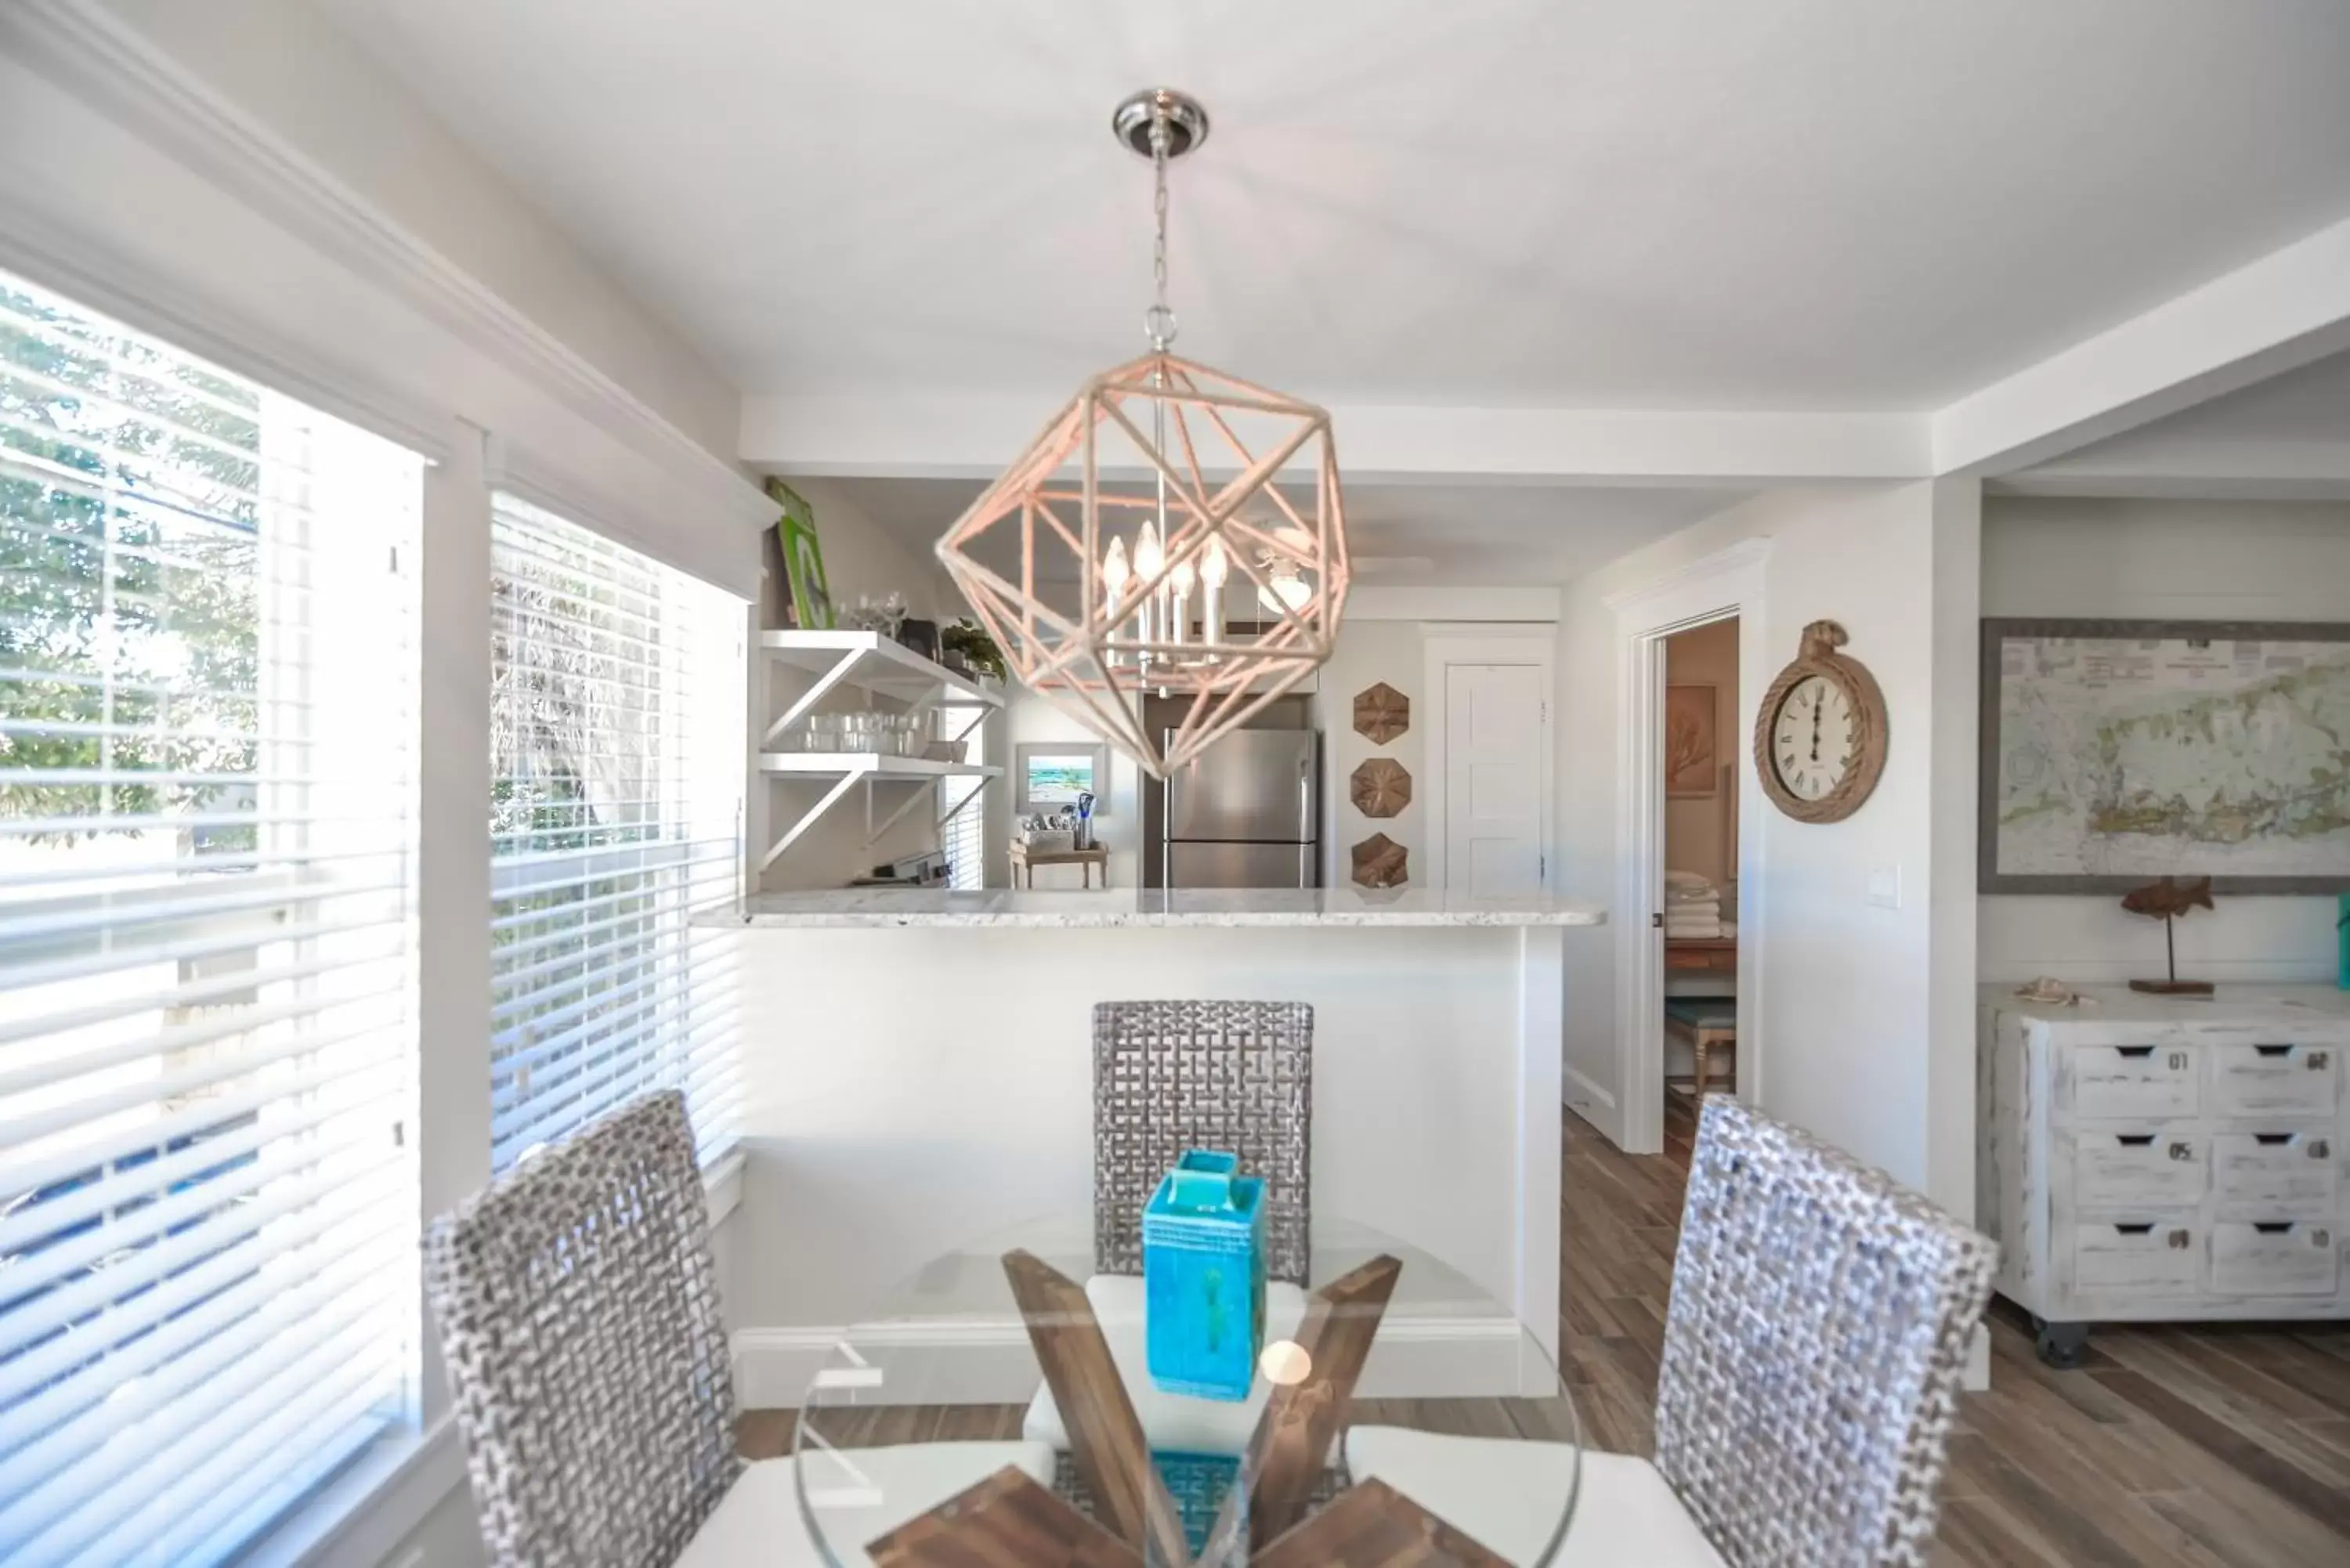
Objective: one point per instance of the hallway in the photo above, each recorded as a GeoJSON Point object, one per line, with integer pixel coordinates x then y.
{"type": "Point", "coordinates": [2173, 1447]}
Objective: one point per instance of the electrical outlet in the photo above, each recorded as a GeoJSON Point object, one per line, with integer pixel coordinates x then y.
{"type": "Point", "coordinates": [1885, 886]}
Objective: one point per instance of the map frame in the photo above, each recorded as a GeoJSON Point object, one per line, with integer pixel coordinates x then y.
{"type": "Point", "coordinates": [1996, 630]}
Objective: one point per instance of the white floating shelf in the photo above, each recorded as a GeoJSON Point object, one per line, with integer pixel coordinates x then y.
{"type": "Point", "coordinates": [875, 663]}
{"type": "Point", "coordinates": [834, 764]}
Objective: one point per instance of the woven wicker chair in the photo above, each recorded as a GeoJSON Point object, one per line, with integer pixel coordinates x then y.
{"type": "Point", "coordinates": [578, 1311]}
{"type": "Point", "coordinates": [1175, 1076]}
{"type": "Point", "coordinates": [1820, 1319]}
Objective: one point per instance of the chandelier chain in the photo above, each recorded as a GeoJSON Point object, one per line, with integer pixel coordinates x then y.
{"type": "Point", "coordinates": [1160, 321]}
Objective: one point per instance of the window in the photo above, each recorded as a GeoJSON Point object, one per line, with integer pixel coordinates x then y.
{"type": "Point", "coordinates": [618, 726]}
{"type": "Point", "coordinates": [963, 838]}
{"type": "Point", "coordinates": [962, 804]}
{"type": "Point", "coordinates": [208, 722]}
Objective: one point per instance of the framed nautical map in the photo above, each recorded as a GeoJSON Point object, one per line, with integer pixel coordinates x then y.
{"type": "Point", "coordinates": [2118, 751]}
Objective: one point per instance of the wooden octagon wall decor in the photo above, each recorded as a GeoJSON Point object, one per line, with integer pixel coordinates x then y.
{"type": "Point", "coordinates": [1381, 713]}
{"type": "Point", "coordinates": [1381, 862]}
{"type": "Point", "coordinates": [1380, 787]}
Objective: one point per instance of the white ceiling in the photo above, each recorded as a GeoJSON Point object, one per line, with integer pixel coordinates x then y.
{"type": "Point", "coordinates": [1422, 534]}
{"type": "Point", "coordinates": [1807, 204]}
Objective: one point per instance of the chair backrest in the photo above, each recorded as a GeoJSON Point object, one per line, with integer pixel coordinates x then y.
{"type": "Point", "coordinates": [1820, 1321]}
{"type": "Point", "coordinates": [578, 1313]}
{"type": "Point", "coordinates": [1174, 1075]}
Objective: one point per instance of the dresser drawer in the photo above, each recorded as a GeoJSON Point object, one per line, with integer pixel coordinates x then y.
{"type": "Point", "coordinates": [2274, 1258]}
{"type": "Point", "coordinates": [2139, 1168]}
{"type": "Point", "coordinates": [2272, 1080]}
{"type": "Point", "coordinates": [2134, 1081]}
{"type": "Point", "coordinates": [2137, 1254]}
{"type": "Point", "coordinates": [2282, 1174]}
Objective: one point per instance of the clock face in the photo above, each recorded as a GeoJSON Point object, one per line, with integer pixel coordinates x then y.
{"type": "Point", "coordinates": [1812, 737]}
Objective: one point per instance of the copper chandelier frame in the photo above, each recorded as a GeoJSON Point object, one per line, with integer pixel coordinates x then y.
{"type": "Point", "coordinates": [1163, 484]}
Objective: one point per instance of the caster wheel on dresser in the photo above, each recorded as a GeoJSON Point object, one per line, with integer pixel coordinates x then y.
{"type": "Point", "coordinates": [2063, 1346]}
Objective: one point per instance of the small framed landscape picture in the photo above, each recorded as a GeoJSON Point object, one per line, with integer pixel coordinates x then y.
{"type": "Point", "coordinates": [1051, 775]}
{"type": "Point", "coordinates": [803, 559]}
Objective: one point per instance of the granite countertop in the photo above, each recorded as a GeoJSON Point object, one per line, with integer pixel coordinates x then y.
{"type": "Point", "coordinates": [878, 907]}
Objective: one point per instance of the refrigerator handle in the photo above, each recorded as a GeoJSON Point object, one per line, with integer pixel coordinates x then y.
{"type": "Point", "coordinates": [1306, 796]}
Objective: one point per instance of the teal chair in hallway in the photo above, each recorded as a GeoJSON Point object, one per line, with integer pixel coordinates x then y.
{"type": "Point", "coordinates": [1820, 1319]}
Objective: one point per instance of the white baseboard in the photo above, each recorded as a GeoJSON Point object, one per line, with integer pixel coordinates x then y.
{"type": "Point", "coordinates": [1583, 1095]}
{"type": "Point", "coordinates": [1581, 1089]}
{"type": "Point", "coordinates": [989, 1362]}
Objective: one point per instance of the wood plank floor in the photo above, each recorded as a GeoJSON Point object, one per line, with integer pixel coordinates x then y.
{"type": "Point", "coordinates": [2173, 1447]}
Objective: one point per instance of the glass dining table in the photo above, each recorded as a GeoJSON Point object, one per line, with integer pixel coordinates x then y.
{"type": "Point", "coordinates": [998, 1406]}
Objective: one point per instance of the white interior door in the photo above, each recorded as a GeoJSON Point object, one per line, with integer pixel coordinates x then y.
{"type": "Point", "coordinates": [1496, 724]}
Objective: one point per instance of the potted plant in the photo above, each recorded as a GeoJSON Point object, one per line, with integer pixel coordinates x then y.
{"type": "Point", "coordinates": [966, 642]}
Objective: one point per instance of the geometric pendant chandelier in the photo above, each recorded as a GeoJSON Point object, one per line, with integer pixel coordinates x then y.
{"type": "Point", "coordinates": [1174, 533]}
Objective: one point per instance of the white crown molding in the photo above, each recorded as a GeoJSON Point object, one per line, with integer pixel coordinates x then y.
{"type": "Point", "coordinates": [1634, 604]}
{"type": "Point", "coordinates": [39, 243]}
{"type": "Point", "coordinates": [108, 63]}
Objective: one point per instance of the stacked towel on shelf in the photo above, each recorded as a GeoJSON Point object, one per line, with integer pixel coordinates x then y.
{"type": "Point", "coordinates": [1692, 907]}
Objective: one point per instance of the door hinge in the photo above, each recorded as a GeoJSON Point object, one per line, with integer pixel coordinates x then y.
{"type": "Point", "coordinates": [1657, 920]}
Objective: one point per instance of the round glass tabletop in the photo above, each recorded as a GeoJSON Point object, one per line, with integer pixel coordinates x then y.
{"type": "Point", "coordinates": [1000, 1406]}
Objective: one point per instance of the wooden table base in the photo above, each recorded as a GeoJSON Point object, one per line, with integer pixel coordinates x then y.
{"type": "Point", "coordinates": [1009, 1518]}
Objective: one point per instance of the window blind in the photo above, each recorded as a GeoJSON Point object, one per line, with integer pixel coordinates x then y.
{"type": "Point", "coordinates": [962, 813]}
{"type": "Point", "coordinates": [208, 681]}
{"type": "Point", "coordinates": [617, 736]}
{"type": "Point", "coordinates": [963, 839]}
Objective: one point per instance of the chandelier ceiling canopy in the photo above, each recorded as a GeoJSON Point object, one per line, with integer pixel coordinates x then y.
{"type": "Point", "coordinates": [1173, 531]}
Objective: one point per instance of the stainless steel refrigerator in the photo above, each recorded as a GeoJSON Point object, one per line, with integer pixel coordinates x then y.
{"type": "Point", "coordinates": [1246, 813]}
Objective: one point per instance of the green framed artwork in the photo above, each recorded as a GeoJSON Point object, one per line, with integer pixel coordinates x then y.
{"type": "Point", "coordinates": [802, 558]}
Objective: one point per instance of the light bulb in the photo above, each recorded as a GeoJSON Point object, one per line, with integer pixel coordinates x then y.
{"type": "Point", "coordinates": [1114, 570]}
{"type": "Point", "coordinates": [1284, 582]}
{"type": "Point", "coordinates": [1215, 563]}
{"type": "Point", "coordinates": [1148, 556]}
{"type": "Point", "coordinates": [1180, 580]}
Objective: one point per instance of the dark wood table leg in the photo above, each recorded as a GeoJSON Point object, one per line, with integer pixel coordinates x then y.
{"type": "Point", "coordinates": [1105, 1437]}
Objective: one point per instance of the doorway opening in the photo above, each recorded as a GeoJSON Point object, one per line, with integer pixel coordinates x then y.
{"type": "Point", "coordinates": [1698, 755]}
{"type": "Point", "coordinates": [1711, 601]}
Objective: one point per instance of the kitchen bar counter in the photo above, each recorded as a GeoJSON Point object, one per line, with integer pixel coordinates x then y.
{"type": "Point", "coordinates": [918, 1067]}
{"type": "Point", "coordinates": [885, 907]}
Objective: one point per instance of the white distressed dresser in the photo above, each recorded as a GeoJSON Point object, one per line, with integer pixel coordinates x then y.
{"type": "Point", "coordinates": [2147, 1158]}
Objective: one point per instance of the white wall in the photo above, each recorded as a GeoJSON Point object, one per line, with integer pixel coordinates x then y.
{"type": "Point", "coordinates": [105, 203]}
{"type": "Point", "coordinates": [286, 63]}
{"type": "Point", "coordinates": [912, 1091]}
{"type": "Point", "coordinates": [1696, 829]}
{"type": "Point", "coordinates": [1858, 1042]}
{"type": "Point", "coordinates": [2199, 560]}
{"type": "Point", "coordinates": [448, 1537]}
{"type": "Point", "coordinates": [1367, 652]}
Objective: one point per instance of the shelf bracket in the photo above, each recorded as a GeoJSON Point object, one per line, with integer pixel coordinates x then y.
{"type": "Point", "coordinates": [961, 807]}
{"type": "Point", "coordinates": [913, 798]}
{"type": "Point", "coordinates": [808, 699]}
{"type": "Point", "coordinates": [807, 818]}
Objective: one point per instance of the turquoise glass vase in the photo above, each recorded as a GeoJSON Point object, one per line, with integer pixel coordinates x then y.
{"type": "Point", "coordinates": [1203, 1277]}
{"type": "Point", "coordinates": [2342, 934]}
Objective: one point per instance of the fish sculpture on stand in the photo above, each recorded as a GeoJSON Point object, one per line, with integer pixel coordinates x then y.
{"type": "Point", "coordinates": [2166, 899]}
